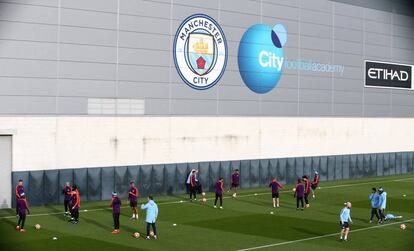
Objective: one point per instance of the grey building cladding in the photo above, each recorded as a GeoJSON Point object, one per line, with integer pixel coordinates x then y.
{"type": "Point", "coordinates": [56, 55]}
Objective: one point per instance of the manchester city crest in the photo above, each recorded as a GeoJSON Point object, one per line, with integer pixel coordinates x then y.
{"type": "Point", "coordinates": [200, 51]}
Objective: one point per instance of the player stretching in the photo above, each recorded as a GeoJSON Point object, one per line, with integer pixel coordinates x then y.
{"type": "Point", "coordinates": [67, 191]}
{"type": "Point", "coordinates": [116, 211]}
{"type": "Point", "coordinates": [18, 192]}
{"type": "Point", "coordinates": [307, 189]}
{"type": "Point", "coordinates": [219, 192]}
{"type": "Point", "coordinates": [275, 191]}
{"type": "Point", "coordinates": [315, 184]}
{"type": "Point", "coordinates": [235, 182]}
{"type": "Point", "coordinates": [345, 219]}
{"type": "Point", "coordinates": [22, 210]}
{"type": "Point", "coordinates": [133, 199]}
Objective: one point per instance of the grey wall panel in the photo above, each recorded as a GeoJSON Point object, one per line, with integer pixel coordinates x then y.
{"type": "Point", "coordinates": [273, 169]}
{"type": "Point", "coordinates": [373, 165]}
{"type": "Point", "coordinates": [245, 174]}
{"type": "Point", "coordinates": [331, 167]}
{"type": "Point", "coordinates": [145, 186]}
{"type": "Point", "coordinates": [307, 166]}
{"type": "Point", "coordinates": [254, 173]}
{"type": "Point", "coordinates": [398, 163]}
{"type": "Point", "coordinates": [316, 164]}
{"type": "Point", "coordinates": [225, 171]}
{"type": "Point", "coordinates": [291, 175]}
{"type": "Point", "coordinates": [410, 164]}
{"type": "Point", "coordinates": [299, 164]}
{"type": "Point", "coordinates": [380, 164]}
{"type": "Point", "coordinates": [264, 172]}
{"type": "Point", "coordinates": [121, 181]}
{"type": "Point", "coordinates": [281, 170]}
{"type": "Point", "coordinates": [94, 184]}
{"type": "Point", "coordinates": [181, 176]}
{"type": "Point", "coordinates": [338, 167]}
{"type": "Point", "coordinates": [392, 163]}
{"type": "Point", "coordinates": [158, 179]}
{"type": "Point", "coordinates": [346, 167]}
{"type": "Point", "coordinates": [108, 181]}
{"type": "Point", "coordinates": [36, 187]}
{"type": "Point", "coordinates": [386, 164]}
{"type": "Point", "coordinates": [360, 168]}
{"type": "Point", "coordinates": [51, 187]}
{"type": "Point", "coordinates": [133, 174]}
{"type": "Point", "coordinates": [204, 175]}
{"type": "Point", "coordinates": [323, 173]}
{"type": "Point", "coordinates": [171, 183]}
{"type": "Point", "coordinates": [404, 162]}
{"type": "Point", "coordinates": [214, 175]}
{"type": "Point", "coordinates": [353, 168]}
{"type": "Point", "coordinates": [80, 179]}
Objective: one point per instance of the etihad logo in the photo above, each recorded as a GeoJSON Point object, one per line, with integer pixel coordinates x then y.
{"type": "Point", "coordinates": [388, 75]}
{"type": "Point", "coordinates": [200, 51]}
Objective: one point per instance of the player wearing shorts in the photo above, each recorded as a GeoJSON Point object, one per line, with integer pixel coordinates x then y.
{"type": "Point", "coordinates": [133, 199]}
{"type": "Point", "coordinates": [275, 191]}
{"type": "Point", "coordinates": [315, 183]}
{"type": "Point", "coordinates": [235, 182]}
{"type": "Point", "coordinates": [345, 219]}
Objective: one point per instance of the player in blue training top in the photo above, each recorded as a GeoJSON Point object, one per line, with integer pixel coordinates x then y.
{"type": "Point", "coordinates": [345, 219]}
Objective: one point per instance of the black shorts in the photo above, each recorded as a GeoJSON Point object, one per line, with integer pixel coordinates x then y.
{"type": "Point", "coordinates": [345, 225]}
{"type": "Point", "coordinates": [133, 203]}
{"type": "Point", "coordinates": [233, 185]}
{"type": "Point", "coordinates": [275, 195]}
{"type": "Point", "coordinates": [314, 186]}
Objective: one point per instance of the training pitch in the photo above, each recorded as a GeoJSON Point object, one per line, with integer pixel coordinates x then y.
{"type": "Point", "coordinates": [245, 223]}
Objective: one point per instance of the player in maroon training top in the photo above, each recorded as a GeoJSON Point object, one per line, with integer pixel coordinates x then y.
{"type": "Point", "coordinates": [22, 210]}
{"type": "Point", "coordinates": [19, 190]}
{"type": "Point", "coordinates": [307, 189]}
{"type": "Point", "coordinates": [235, 182]}
{"type": "Point", "coordinates": [116, 211]}
{"type": "Point", "coordinates": [275, 191]}
{"type": "Point", "coordinates": [299, 192]}
{"type": "Point", "coordinates": [219, 187]}
{"type": "Point", "coordinates": [133, 199]}
{"type": "Point", "coordinates": [315, 183]}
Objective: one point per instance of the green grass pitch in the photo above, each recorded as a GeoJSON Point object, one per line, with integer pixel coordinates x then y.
{"type": "Point", "coordinates": [245, 222]}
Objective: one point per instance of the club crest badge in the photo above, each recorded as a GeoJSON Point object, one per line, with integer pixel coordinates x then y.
{"type": "Point", "coordinates": [200, 51]}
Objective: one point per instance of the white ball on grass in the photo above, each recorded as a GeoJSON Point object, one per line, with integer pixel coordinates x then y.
{"type": "Point", "coordinates": [54, 238]}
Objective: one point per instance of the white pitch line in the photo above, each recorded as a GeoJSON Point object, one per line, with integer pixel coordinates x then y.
{"type": "Point", "coordinates": [225, 197]}
{"type": "Point", "coordinates": [404, 179]}
{"type": "Point", "coordinates": [321, 236]}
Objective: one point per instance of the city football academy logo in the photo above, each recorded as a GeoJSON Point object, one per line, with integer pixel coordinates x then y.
{"type": "Point", "coordinates": [260, 57]}
{"type": "Point", "coordinates": [200, 51]}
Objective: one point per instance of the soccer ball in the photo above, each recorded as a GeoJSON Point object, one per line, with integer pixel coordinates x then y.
{"type": "Point", "coordinates": [204, 200]}
{"type": "Point", "coordinates": [294, 189]}
{"type": "Point", "coordinates": [203, 193]}
{"type": "Point", "coordinates": [37, 226]}
{"type": "Point", "coordinates": [403, 226]}
{"type": "Point", "coordinates": [152, 234]}
{"type": "Point", "coordinates": [234, 195]}
{"type": "Point", "coordinates": [136, 235]}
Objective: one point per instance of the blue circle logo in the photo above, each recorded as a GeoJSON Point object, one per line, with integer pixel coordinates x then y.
{"type": "Point", "coordinates": [200, 51]}
{"type": "Point", "coordinates": [261, 57]}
